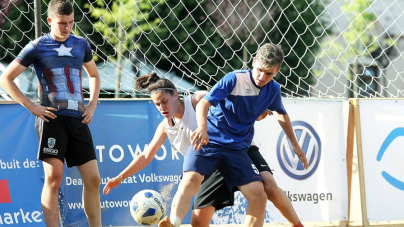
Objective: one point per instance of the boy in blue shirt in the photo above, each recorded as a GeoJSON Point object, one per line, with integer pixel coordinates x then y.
{"type": "Point", "coordinates": [61, 117]}
{"type": "Point", "coordinates": [225, 130]}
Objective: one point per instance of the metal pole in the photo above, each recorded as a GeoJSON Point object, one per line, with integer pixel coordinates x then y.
{"type": "Point", "coordinates": [38, 23]}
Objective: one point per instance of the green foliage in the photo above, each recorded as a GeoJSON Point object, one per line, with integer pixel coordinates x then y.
{"type": "Point", "coordinates": [16, 28]}
{"type": "Point", "coordinates": [196, 47]}
{"type": "Point", "coordinates": [359, 30]}
{"type": "Point", "coordinates": [358, 38]}
{"type": "Point", "coordinates": [299, 30]}
{"type": "Point", "coordinates": [185, 37]}
{"type": "Point", "coordinates": [121, 21]}
{"type": "Point", "coordinates": [186, 41]}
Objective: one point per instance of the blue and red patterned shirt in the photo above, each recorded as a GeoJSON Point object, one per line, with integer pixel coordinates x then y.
{"type": "Point", "coordinates": [58, 66]}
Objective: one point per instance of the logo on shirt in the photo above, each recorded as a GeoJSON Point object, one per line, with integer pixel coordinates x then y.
{"type": "Point", "coordinates": [64, 51]}
{"type": "Point", "coordinates": [248, 90]}
{"type": "Point", "coordinates": [311, 146]}
{"type": "Point", "coordinates": [51, 144]}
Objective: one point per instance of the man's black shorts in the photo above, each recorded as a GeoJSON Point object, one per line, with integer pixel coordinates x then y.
{"type": "Point", "coordinates": [65, 138]}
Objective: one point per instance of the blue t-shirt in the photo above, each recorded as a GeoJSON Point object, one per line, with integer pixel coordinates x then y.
{"type": "Point", "coordinates": [236, 103]}
{"type": "Point", "coordinates": [58, 66]}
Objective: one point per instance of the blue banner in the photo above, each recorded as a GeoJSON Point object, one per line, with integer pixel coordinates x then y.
{"type": "Point", "coordinates": [121, 130]}
{"type": "Point", "coordinates": [21, 174]}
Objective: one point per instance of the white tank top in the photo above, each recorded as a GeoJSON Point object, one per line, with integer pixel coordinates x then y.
{"type": "Point", "coordinates": [180, 134]}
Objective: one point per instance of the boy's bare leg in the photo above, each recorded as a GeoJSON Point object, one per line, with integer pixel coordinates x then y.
{"type": "Point", "coordinates": [91, 192]}
{"type": "Point", "coordinates": [279, 198]}
{"type": "Point", "coordinates": [53, 169]}
{"type": "Point", "coordinates": [256, 197]}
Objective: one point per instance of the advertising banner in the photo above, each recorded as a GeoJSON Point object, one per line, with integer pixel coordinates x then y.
{"type": "Point", "coordinates": [21, 174]}
{"type": "Point", "coordinates": [382, 129]}
{"type": "Point", "coordinates": [121, 130]}
{"type": "Point", "coordinates": [318, 194]}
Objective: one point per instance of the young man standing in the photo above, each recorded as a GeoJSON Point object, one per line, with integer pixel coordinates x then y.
{"type": "Point", "coordinates": [61, 117]}
{"type": "Point", "coordinates": [223, 137]}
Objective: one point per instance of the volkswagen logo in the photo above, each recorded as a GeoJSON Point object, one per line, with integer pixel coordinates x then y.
{"type": "Point", "coordinates": [311, 146]}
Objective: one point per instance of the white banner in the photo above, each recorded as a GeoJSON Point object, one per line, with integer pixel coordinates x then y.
{"type": "Point", "coordinates": [382, 127]}
{"type": "Point", "coordinates": [319, 193]}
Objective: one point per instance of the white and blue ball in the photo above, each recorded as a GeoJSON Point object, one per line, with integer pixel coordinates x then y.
{"type": "Point", "coordinates": [147, 207]}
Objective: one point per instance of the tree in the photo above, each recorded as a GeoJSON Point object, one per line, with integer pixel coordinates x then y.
{"type": "Point", "coordinates": [16, 22]}
{"type": "Point", "coordinates": [359, 42]}
{"type": "Point", "coordinates": [241, 22]}
{"type": "Point", "coordinates": [119, 23]}
{"type": "Point", "coordinates": [298, 27]}
{"type": "Point", "coordinates": [204, 40]}
{"type": "Point", "coordinates": [199, 40]}
{"type": "Point", "coordinates": [186, 42]}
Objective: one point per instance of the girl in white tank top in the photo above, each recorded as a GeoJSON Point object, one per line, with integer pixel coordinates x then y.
{"type": "Point", "coordinates": [178, 124]}
{"type": "Point", "coordinates": [179, 133]}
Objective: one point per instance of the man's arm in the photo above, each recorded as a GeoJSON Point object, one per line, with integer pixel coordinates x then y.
{"type": "Point", "coordinates": [94, 81]}
{"type": "Point", "coordinates": [13, 70]}
{"type": "Point", "coordinates": [200, 136]}
{"type": "Point", "coordinates": [284, 122]}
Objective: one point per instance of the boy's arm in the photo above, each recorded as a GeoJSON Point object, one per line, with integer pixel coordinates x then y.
{"type": "Point", "coordinates": [219, 92]}
{"type": "Point", "coordinates": [284, 122]}
{"type": "Point", "coordinates": [94, 81]}
{"type": "Point", "coordinates": [200, 136]}
{"type": "Point", "coordinates": [13, 70]}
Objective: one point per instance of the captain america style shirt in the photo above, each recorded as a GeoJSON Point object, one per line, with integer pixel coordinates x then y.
{"type": "Point", "coordinates": [58, 66]}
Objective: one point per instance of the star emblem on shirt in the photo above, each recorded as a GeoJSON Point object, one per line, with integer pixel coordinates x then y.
{"type": "Point", "coordinates": [64, 51]}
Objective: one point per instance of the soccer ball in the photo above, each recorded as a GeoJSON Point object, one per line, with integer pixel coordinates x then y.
{"type": "Point", "coordinates": [147, 207]}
